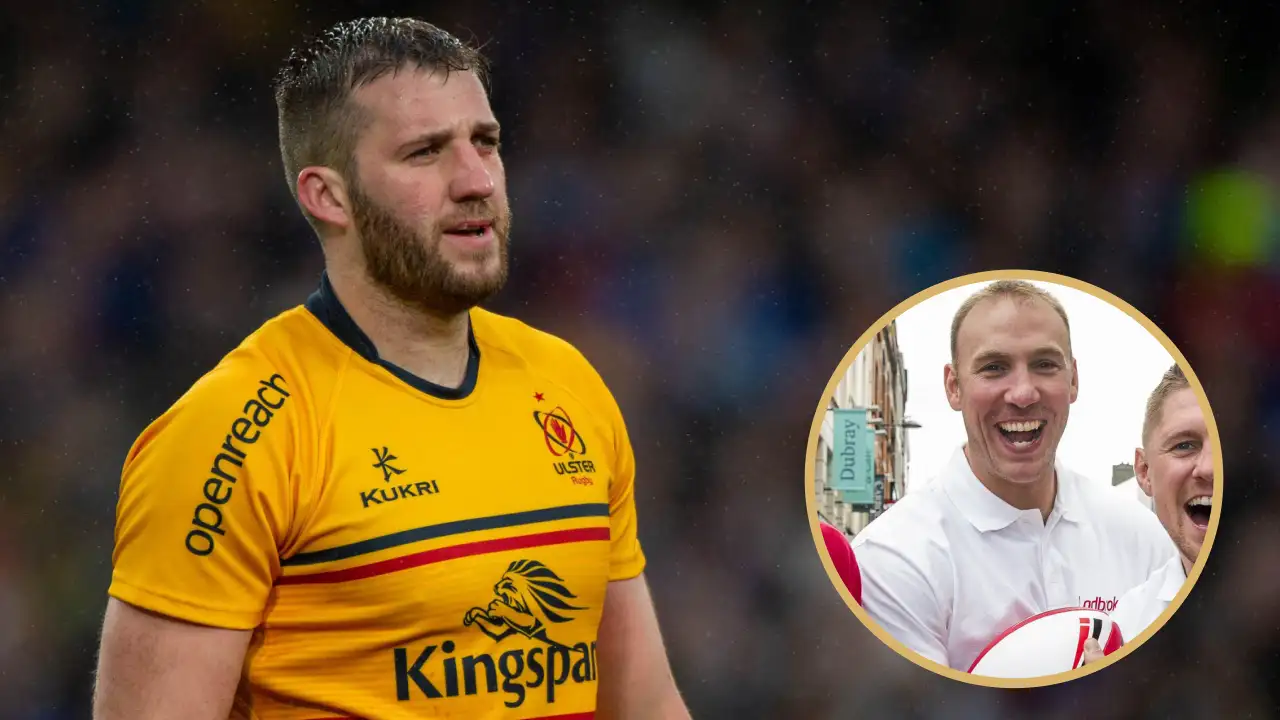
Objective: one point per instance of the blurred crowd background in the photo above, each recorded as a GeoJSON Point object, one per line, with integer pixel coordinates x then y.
{"type": "Point", "coordinates": [713, 204]}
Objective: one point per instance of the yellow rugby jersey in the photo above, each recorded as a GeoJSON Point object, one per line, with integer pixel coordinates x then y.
{"type": "Point", "coordinates": [400, 549]}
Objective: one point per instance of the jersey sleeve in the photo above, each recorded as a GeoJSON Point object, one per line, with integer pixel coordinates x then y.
{"type": "Point", "coordinates": [897, 594]}
{"type": "Point", "coordinates": [626, 557]}
{"type": "Point", "coordinates": [206, 502]}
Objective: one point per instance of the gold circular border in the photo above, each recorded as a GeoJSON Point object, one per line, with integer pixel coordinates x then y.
{"type": "Point", "coordinates": [811, 455]}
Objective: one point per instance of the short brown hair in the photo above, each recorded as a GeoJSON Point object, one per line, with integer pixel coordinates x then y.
{"type": "Point", "coordinates": [1016, 289]}
{"type": "Point", "coordinates": [1171, 382]}
{"type": "Point", "coordinates": [318, 123]}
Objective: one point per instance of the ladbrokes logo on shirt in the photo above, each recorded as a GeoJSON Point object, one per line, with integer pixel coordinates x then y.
{"type": "Point", "coordinates": [530, 601]}
{"type": "Point", "coordinates": [1098, 602]}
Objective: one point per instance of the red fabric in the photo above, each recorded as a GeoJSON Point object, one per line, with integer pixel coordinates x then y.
{"type": "Point", "coordinates": [842, 557]}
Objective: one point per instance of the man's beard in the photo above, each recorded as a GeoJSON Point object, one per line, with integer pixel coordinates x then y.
{"type": "Point", "coordinates": [409, 264]}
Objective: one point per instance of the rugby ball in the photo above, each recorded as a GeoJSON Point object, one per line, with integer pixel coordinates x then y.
{"type": "Point", "coordinates": [1045, 644]}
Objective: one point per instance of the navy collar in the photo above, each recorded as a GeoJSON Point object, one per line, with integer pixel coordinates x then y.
{"type": "Point", "coordinates": [324, 304]}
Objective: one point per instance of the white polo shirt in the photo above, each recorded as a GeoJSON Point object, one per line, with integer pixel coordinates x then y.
{"type": "Point", "coordinates": [950, 566]}
{"type": "Point", "coordinates": [1140, 606]}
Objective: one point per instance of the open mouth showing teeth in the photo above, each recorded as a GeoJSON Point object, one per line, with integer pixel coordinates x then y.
{"type": "Point", "coordinates": [1022, 433]}
{"type": "Point", "coordinates": [1198, 509]}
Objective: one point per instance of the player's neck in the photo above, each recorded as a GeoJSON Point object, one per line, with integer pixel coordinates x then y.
{"type": "Point", "coordinates": [432, 347]}
{"type": "Point", "coordinates": [1187, 564]}
{"type": "Point", "coordinates": [1038, 495]}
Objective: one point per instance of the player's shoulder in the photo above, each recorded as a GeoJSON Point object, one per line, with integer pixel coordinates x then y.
{"type": "Point", "coordinates": [1135, 604]}
{"type": "Point", "coordinates": [538, 352]}
{"type": "Point", "coordinates": [1139, 594]}
{"type": "Point", "coordinates": [916, 525]}
{"type": "Point", "coordinates": [275, 366]}
{"type": "Point", "coordinates": [908, 548]}
{"type": "Point", "coordinates": [1099, 500]}
{"type": "Point", "coordinates": [514, 337]}
{"type": "Point", "coordinates": [1116, 511]}
{"type": "Point", "coordinates": [293, 345]}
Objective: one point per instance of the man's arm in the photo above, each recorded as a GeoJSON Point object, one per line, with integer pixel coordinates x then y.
{"type": "Point", "coordinates": [150, 666]}
{"type": "Point", "coordinates": [635, 677]}
{"type": "Point", "coordinates": [207, 498]}
{"type": "Point", "coordinates": [899, 596]}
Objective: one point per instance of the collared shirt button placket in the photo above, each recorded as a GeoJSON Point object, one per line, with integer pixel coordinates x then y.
{"type": "Point", "coordinates": [1052, 566]}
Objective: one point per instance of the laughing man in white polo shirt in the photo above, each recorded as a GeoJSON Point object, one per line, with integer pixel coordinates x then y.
{"type": "Point", "coordinates": [1174, 467]}
{"type": "Point", "coordinates": [1006, 531]}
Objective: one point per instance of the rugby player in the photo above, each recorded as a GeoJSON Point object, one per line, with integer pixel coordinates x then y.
{"type": "Point", "coordinates": [386, 502]}
{"type": "Point", "coordinates": [1007, 531]}
{"type": "Point", "coordinates": [1175, 468]}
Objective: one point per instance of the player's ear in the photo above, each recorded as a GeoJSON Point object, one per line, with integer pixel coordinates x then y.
{"type": "Point", "coordinates": [1075, 380]}
{"type": "Point", "coordinates": [323, 193]}
{"type": "Point", "coordinates": [1142, 470]}
{"type": "Point", "coordinates": [951, 383]}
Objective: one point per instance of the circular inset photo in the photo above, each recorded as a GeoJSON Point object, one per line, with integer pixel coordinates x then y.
{"type": "Point", "coordinates": [1013, 479]}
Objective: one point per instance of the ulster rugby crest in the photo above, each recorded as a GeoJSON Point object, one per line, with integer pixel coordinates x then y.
{"type": "Point", "coordinates": [564, 442]}
{"type": "Point", "coordinates": [558, 432]}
